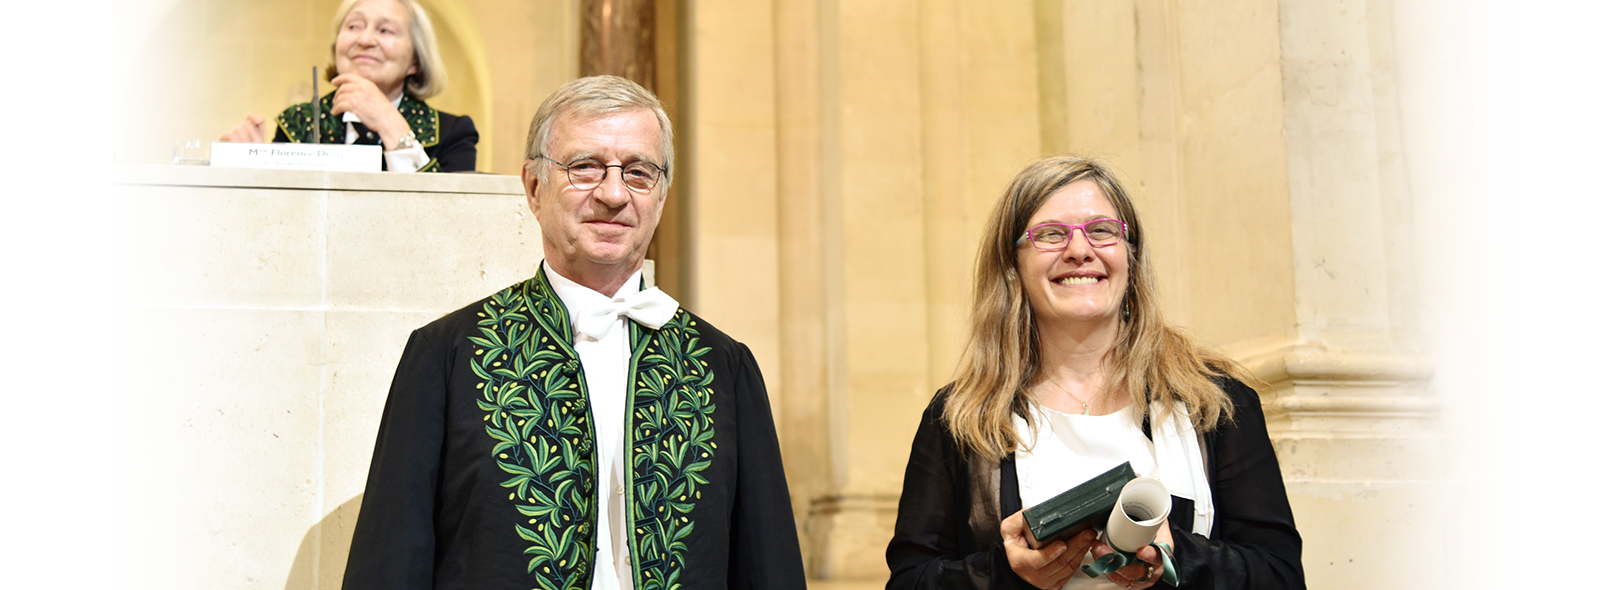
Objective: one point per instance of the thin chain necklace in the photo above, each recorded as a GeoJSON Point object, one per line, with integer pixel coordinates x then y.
{"type": "Point", "coordinates": [1075, 398]}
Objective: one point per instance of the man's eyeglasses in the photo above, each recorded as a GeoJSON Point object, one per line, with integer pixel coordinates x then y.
{"type": "Point", "coordinates": [1057, 236]}
{"type": "Point", "coordinates": [587, 173]}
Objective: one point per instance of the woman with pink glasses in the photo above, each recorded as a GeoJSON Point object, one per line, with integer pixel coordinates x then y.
{"type": "Point", "coordinates": [1070, 371]}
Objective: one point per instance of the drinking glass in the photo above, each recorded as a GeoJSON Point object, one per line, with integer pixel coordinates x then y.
{"type": "Point", "coordinates": [191, 152]}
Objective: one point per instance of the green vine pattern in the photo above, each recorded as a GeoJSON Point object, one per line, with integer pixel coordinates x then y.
{"type": "Point", "coordinates": [536, 411]}
{"type": "Point", "coordinates": [296, 121]}
{"type": "Point", "coordinates": [671, 442]}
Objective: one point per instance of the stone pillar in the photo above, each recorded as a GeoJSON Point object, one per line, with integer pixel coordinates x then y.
{"type": "Point", "coordinates": [727, 149]}
{"type": "Point", "coordinates": [618, 38]}
{"type": "Point", "coordinates": [1356, 430]}
{"type": "Point", "coordinates": [898, 125]}
{"type": "Point", "coordinates": [872, 207]}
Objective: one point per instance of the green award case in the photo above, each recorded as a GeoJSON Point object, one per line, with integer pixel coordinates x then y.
{"type": "Point", "coordinates": [1087, 505]}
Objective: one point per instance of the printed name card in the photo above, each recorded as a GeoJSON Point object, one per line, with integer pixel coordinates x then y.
{"type": "Point", "coordinates": [298, 156]}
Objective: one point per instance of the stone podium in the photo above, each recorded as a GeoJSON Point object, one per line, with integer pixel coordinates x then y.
{"type": "Point", "coordinates": [257, 317]}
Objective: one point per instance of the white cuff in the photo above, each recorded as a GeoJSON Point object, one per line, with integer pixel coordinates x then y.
{"type": "Point", "coordinates": [407, 160]}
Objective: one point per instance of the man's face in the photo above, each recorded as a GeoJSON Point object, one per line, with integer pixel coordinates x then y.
{"type": "Point", "coordinates": [597, 237]}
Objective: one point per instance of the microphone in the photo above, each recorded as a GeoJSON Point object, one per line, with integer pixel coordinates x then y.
{"type": "Point", "coordinates": [316, 109]}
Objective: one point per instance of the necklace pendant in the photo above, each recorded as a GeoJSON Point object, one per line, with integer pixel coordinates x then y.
{"type": "Point", "coordinates": [1085, 408]}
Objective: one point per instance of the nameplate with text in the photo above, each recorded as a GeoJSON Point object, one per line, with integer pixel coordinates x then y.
{"type": "Point", "coordinates": [298, 156]}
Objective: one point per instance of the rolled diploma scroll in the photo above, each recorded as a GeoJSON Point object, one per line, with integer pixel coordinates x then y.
{"type": "Point", "coordinates": [1140, 509]}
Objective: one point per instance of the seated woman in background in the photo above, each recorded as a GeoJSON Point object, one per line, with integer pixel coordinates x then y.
{"type": "Point", "coordinates": [385, 63]}
{"type": "Point", "coordinates": [1070, 371]}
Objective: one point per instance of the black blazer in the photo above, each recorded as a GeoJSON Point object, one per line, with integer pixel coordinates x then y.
{"type": "Point", "coordinates": [947, 533]}
{"type": "Point", "coordinates": [450, 141]}
{"type": "Point", "coordinates": [483, 475]}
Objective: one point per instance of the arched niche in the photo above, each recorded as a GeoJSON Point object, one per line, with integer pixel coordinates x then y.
{"type": "Point", "coordinates": [191, 69]}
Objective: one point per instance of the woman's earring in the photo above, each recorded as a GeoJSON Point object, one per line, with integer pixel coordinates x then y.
{"type": "Point", "coordinates": [1127, 311]}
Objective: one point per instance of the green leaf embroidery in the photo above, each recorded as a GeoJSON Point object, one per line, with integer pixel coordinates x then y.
{"type": "Point", "coordinates": [671, 428]}
{"type": "Point", "coordinates": [527, 382]}
{"type": "Point", "coordinates": [535, 408]}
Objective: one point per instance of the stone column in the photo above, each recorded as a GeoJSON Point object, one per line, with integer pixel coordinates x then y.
{"type": "Point", "coordinates": [876, 338]}
{"type": "Point", "coordinates": [898, 126]}
{"type": "Point", "coordinates": [728, 148]}
{"type": "Point", "coordinates": [618, 38]}
{"type": "Point", "coordinates": [1357, 425]}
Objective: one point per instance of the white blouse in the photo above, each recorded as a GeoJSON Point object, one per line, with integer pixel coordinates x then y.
{"type": "Point", "coordinates": [1069, 449]}
{"type": "Point", "coordinates": [410, 159]}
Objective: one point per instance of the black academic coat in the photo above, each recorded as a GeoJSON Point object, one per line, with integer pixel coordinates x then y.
{"type": "Point", "coordinates": [450, 141]}
{"type": "Point", "coordinates": [483, 476]}
{"type": "Point", "coordinates": [947, 533]}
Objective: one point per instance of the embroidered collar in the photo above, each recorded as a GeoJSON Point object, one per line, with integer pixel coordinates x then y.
{"type": "Point", "coordinates": [295, 121]}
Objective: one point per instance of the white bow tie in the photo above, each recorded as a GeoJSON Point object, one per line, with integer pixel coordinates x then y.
{"type": "Point", "coordinates": [651, 307]}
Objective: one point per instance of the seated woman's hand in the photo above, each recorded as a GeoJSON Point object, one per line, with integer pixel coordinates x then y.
{"type": "Point", "coordinates": [359, 95]}
{"type": "Point", "coordinates": [1049, 566]}
{"type": "Point", "coordinates": [1140, 574]}
{"type": "Point", "coordinates": [252, 130]}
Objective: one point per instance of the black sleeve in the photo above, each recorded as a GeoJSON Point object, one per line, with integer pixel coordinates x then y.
{"type": "Point", "coordinates": [393, 544]}
{"type": "Point", "coordinates": [1253, 541]}
{"type": "Point", "coordinates": [279, 136]}
{"type": "Point", "coordinates": [933, 546]}
{"type": "Point", "coordinates": [764, 547]}
{"type": "Point", "coordinates": [457, 150]}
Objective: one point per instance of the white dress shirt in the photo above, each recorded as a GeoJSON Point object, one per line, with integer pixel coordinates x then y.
{"type": "Point", "coordinates": [605, 371]}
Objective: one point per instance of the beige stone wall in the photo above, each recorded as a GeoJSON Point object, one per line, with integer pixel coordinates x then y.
{"type": "Point", "coordinates": [838, 160]}
{"type": "Point", "coordinates": [259, 320]}
{"type": "Point", "coordinates": [1312, 171]}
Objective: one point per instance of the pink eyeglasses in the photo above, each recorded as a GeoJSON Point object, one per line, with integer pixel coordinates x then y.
{"type": "Point", "coordinates": [1057, 236]}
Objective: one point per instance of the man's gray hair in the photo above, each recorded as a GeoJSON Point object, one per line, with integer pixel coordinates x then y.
{"type": "Point", "coordinates": [595, 96]}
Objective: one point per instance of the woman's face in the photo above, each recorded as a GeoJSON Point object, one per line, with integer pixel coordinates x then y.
{"type": "Point", "coordinates": [375, 42]}
{"type": "Point", "coordinates": [1082, 283]}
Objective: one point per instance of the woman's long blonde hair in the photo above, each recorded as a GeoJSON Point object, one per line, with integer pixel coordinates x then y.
{"type": "Point", "coordinates": [1153, 362]}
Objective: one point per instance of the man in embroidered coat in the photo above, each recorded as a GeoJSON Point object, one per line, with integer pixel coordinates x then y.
{"type": "Point", "coordinates": [575, 430]}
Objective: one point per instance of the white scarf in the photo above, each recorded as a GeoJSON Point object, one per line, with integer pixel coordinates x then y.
{"type": "Point", "coordinates": [1183, 468]}
{"type": "Point", "coordinates": [1175, 450]}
